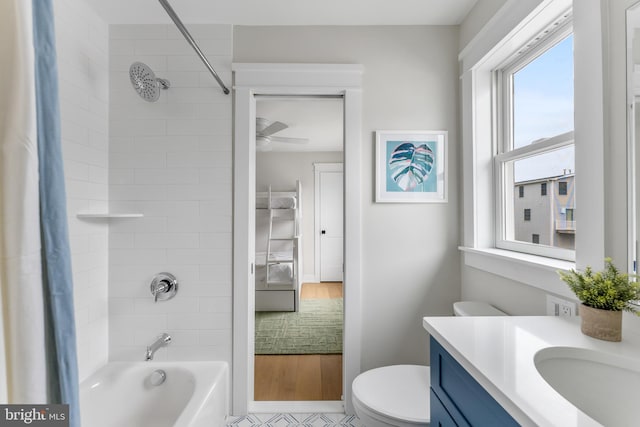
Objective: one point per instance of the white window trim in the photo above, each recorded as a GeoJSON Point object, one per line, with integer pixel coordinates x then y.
{"type": "Point", "coordinates": [504, 33]}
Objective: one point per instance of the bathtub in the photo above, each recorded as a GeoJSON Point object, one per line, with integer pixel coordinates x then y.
{"type": "Point", "coordinates": [193, 394]}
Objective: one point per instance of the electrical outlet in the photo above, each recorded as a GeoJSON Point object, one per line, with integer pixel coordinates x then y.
{"type": "Point", "coordinates": [567, 309]}
{"type": "Point", "coordinates": [560, 307]}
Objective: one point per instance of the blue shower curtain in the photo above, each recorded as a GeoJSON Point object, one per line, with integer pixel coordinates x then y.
{"type": "Point", "coordinates": [60, 332]}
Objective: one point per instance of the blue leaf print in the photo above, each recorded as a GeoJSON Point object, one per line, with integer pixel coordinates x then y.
{"type": "Point", "coordinates": [411, 165]}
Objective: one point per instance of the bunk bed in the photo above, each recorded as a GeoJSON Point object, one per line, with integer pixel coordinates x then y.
{"type": "Point", "coordinates": [278, 250]}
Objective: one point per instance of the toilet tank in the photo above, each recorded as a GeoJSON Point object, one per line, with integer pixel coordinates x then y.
{"type": "Point", "coordinates": [476, 308]}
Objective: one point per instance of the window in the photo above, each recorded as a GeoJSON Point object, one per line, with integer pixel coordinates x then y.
{"type": "Point", "coordinates": [534, 108]}
{"type": "Point", "coordinates": [562, 188]}
{"type": "Point", "coordinates": [569, 215]}
{"type": "Point", "coordinates": [535, 238]}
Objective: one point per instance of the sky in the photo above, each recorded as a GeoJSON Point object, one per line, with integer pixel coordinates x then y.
{"type": "Point", "coordinates": [543, 107]}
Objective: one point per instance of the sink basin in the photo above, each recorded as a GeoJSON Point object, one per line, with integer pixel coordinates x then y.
{"type": "Point", "coordinates": [603, 386]}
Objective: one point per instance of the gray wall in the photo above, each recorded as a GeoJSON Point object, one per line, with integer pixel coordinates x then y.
{"type": "Point", "coordinates": [481, 13]}
{"type": "Point", "coordinates": [281, 170]}
{"type": "Point", "coordinates": [410, 260]}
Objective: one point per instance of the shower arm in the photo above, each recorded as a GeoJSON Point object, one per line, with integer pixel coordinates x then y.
{"type": "Point", "coordinates": [176, 20]}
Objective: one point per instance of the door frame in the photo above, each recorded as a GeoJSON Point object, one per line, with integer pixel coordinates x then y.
{"type": "Point", "coordinates": [318, 169]}
{"type": "Point", "coordinates": [344, 80]}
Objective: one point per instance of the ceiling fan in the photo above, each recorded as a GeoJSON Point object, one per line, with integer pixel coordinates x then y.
{"type": "Point", "coordinates": [264, 134]}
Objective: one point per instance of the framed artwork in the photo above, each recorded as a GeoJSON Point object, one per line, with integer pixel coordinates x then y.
{"type": "Point", "coordinates": [411, 166]}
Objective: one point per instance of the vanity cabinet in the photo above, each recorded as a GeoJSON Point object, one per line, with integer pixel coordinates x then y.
{"type": "Point", "coordinates": [457, 399]}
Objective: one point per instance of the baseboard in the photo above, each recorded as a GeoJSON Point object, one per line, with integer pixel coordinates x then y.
{"type": "Point", "coordinates": [310, 278]}
{"type": "Point", "coordinates": [297, 406]}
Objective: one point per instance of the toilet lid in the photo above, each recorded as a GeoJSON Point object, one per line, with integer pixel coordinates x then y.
{"type": "Point", "coordinates": [476, 308]}
{"type": "Point", "coordinates": [398, 391]}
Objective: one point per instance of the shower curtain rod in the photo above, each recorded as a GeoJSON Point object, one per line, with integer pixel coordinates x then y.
{"type": "Point", "coordinates": [176, 20]}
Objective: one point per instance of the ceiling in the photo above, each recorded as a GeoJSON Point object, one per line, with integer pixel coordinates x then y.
{"type": "Point", "coordinates": [317, 119]}
{"type": "Point", "coordinates": [288, 12]}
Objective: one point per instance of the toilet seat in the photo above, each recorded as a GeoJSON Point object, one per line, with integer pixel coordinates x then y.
{"type": "Point", "coordinates": [397, 395]}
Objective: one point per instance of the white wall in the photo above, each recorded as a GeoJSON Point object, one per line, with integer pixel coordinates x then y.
{"type": "Point", "coordinates": [517, 298]}
{"type": "Point", "coordinates": [171, 161]}
{"type": "Point", "coordinates": [281, 170]}
{"type": "Point", "coordinates": [82, 49]}
{"type": "Point", "coordinates": [410, 258]}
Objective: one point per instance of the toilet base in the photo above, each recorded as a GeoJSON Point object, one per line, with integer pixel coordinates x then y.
{"type": "Point", "coordinates": [369, 419]}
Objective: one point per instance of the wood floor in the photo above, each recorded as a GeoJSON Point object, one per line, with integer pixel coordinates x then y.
{"type": "Point", "coordinates": [304, 376]}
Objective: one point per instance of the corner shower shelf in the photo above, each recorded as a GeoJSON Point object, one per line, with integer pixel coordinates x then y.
{"type": "Point", "coordinates": [109, 215]}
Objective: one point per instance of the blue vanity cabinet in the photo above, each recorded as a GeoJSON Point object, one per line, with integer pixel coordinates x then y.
{"type": "Point", "coordinates": [457, 399]}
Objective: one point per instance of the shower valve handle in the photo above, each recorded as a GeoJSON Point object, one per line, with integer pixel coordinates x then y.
{"type": "Point", "coordinates": [164, 286]}
{"type": "Point", "coordinates": [160, 288]}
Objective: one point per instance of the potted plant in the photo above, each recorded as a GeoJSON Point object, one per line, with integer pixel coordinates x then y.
{"type": "Point", "coordinates": [604, 295]}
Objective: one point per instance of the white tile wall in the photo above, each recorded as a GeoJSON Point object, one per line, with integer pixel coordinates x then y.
{"type": "Point", "coordinates": [171, 161]}
{"type": "Point", "coordinates": [82, 49]}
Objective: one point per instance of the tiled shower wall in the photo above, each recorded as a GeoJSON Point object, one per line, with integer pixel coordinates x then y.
{"type": "Point", "coordinates": [171, 161]}
{"type": "Point", "coordinates": [82, 48]}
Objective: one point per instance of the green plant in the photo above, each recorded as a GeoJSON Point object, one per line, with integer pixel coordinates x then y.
{"type": "Point", "coordinates": [607, 289]}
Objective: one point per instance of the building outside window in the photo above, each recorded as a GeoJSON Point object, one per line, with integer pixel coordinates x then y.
{"type": "Point", "coordinates": [554, 222]}
{"type": "Point", "coordinates": [535, 238]}
{"type": "Point", "coordinates": [534, 96]}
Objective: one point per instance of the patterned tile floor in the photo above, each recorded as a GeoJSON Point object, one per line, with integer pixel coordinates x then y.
{"type": "Point", "coordinates": [295, 420]}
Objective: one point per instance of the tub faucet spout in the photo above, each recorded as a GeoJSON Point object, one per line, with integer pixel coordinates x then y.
{"type": "Point", "coordinates": [162, 341]}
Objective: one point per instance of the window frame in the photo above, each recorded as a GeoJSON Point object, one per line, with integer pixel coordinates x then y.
{"type": "Point", "coordinates": [573, 213]}
{"type": "Point", "coordinates": [563, 188]}
{"type": "Point", "coordinates": [506, 155]}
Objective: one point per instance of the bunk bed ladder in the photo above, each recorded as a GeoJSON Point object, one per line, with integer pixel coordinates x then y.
{"type": "Point", "coordinates": [271, 259]}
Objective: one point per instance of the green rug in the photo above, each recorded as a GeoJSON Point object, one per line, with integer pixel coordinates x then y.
{"type": "Point", "coordinates": [315, 329]}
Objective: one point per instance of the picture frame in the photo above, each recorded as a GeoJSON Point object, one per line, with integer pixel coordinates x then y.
{"type": "Point", "coordinates": [411, 166]}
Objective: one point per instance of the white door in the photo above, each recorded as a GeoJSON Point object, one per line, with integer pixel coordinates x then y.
{"type": "Point", "coordinates": [331, 226]}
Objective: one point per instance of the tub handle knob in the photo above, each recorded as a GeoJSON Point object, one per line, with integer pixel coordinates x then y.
{"type": "Point", "coordinates": [164, 286]}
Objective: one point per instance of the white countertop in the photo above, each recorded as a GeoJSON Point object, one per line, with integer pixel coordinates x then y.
{"type": "Point", "coordinates": [499, 353]}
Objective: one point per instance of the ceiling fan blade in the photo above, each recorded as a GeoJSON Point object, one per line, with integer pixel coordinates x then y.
{"type": "Point", "coordinates": [273, 128]}
{"type": "Point", "coordinates": [290, 140]}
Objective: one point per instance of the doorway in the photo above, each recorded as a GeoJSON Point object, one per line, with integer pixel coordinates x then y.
{"type": "Point", "coordinates": [298, 321]}
{"type": "Point", "coordinates": [329, 199]}
{"type": "Point", "coordinates": [292, 79]}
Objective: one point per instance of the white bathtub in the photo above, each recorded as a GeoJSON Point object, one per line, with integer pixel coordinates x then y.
{"type": "Point", "coordinates": [194, 394]}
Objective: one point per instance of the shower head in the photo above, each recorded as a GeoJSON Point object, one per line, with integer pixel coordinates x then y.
{"type": "Point", "coordinates": [145, 82]}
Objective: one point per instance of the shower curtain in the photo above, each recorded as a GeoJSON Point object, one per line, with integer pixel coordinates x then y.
{"type": "Point", "coordinates": [39, 362]}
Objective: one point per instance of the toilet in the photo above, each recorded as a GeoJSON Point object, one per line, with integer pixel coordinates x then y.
{"type": "Point", "coordinates": [398, 395]}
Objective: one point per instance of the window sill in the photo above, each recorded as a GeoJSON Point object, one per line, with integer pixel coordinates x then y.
{"type": "Point", "coordinates": [533, 270]}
